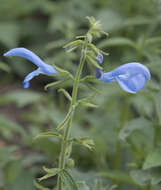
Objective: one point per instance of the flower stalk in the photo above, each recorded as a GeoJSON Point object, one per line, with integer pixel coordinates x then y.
{"type": "Point", "coordinates": [64, 142]}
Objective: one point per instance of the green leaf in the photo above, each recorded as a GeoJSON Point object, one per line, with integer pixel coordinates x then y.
{"type": "Point", "coordinates": [39, 187]}
{"type": "Point", "coordinates": [153, 159]}
{"type": "Point", "coordinates": [133, 125]}
{"type": "Point", "coordinates": [48, 135]}
{"type": "Point", "coordinates": [140, 177]}
{"type": "Point", "coordinates": [118, 41]}
{"type": "Point", "coordinates": [68, 180]}
{"type": "Point", "coordinates": [82, 185]}
{"type": "Point", "coordinates": [50, 173]}
{"type": "Point", "coordinates": [153, 40]}
{"type": "Point", "coordinates": [138, 20]}
{"type": "Point", "coordinates": [67, 95]}
{"type": "Point", "coordinates": [118, 176]}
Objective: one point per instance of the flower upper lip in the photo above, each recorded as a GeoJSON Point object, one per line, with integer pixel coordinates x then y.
{"type": "Point", "coordinates": [43, 68]}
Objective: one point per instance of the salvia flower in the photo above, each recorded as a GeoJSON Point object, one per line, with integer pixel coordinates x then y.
{"type": "Point", "coordinates": [131, 76]}
{"type": "Point", "coordinates": [43, 68]}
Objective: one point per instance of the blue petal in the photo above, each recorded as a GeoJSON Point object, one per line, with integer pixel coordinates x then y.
{"type": "Point", "coordinates": [48, 69]}
{"type": "Point", "coordinates": [98, 73]}
{"type": "Point", "coordinates": [133, 84]}
{"type": "Point", "coordinates": [107, 77]}
{"type": "Point", "coordinates": [132, 69]}
{"type": "Point", "coordinates": [99, 60]}
{"type": "Point", "coordinates": [131, 76]}
{"type": "Point", "coordinates": [30, 76]}
{"type": "Point", "coordinates": [23, 52]}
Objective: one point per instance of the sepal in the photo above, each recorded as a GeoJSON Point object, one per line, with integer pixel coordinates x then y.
{"type": "Point", "coordinates": [95, 90]}
{"type": "Point", "coordinates": [73, 45]}
{"type": "Point", "coordinates": [66, 119]}
{"type": "Point", "coordinates": [87, 103]}
{"type": "Point", "coordinates": [66, 94]}
{"type": "Point", "coordinates": [84, 141]}
{"type": "Point", "coordinates": [91, 60]}
{"type": "Point", "coordinates": [89, 78]}
{"type": "Point", "coordinates": [54, 84]}
{"type": "Point", "coordinates": [62, 72]}
{"type": "Point", "coordinates": [89, 37]}
{"type": "Point", "coordinates": [39, 187]}
{"type": "Point", "coordinates": [50, 173]}
{"type": "Point", "coordinates": [69, 149]}
{"type": "Point", "coordinates": [94, 48]}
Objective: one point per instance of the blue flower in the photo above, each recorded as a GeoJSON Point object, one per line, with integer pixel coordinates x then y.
{"type": "Point", "coordinates": [43, 68]}
{"type": "Point", "coordinates": [131, 76]}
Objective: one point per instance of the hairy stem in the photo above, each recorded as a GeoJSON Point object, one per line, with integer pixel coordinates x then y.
{"type": "Point", "coordinates": [64, 143]}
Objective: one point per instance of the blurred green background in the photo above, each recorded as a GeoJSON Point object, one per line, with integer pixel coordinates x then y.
{"type": "Point", "coordinates": [126, 128]}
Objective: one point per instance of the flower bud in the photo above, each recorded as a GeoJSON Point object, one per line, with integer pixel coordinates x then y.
{"type": "Point", "coordinates": [70, 163]}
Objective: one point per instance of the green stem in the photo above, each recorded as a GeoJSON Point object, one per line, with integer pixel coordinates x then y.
{"type": "Point", "coordinates": [124, 115]}
{"type": "Point", "coordinates": [64, 144]}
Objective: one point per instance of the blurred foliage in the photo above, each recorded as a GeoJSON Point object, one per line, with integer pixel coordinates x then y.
{"type": "Point", "coordinates": [126, 128]}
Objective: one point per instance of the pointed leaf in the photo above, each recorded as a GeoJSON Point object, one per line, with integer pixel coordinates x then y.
{"type": "Point", "coordinates": [49, 134]}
